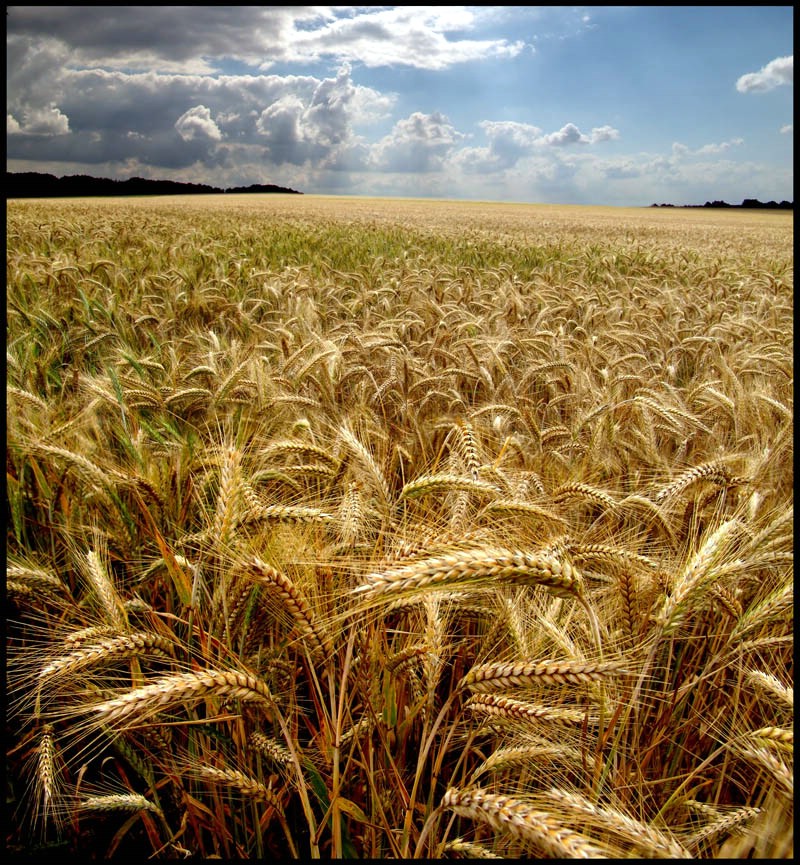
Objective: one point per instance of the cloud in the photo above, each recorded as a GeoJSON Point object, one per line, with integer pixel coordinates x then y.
{"type": "Point", "coordinates": [681, 150]}
{"type": "Point", "coordinates": [319, 126]}
{"type": "Point", "coordinates": [777, 72]}
{"type": "Point", "coordinates": [622, 169]}
{"type": "Point", "coordinates": [719, 148]}
{"type": "Point", "coordinates": [508, 143]}
{"type": "Point", "coordinates": [401, 35]}
{"type": "Point", "coordinates": [168, 39]}
{"type": "Point", "coordinates": [46, 121]}
{"type": "Point", "coordinates": [197, 123]}
{"type": "Point", "coordinates": [603, 133]}
{"type": "Point", "coordinates": [570, 134]}
{"type": "Point", "coordinates": [419, 143]}
{"type": "Point", "coordinates": [173, 120]}
{"type": "Point", "coordinates": [788, 129]}
{"type": "Point", "coordinates": [164, 38]}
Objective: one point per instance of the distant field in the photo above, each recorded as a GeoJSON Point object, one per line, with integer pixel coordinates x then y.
{"type": "Point", "coordinates": [389, 528]}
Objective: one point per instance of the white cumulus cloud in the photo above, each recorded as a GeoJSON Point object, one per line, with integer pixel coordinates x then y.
{"type": "Point", "coordinates": [40, 121]}
{"type": "Point", "coordinates": [777, 72]}
{"type": "Point", "coordinates": [420, 142]}
{"type": "Point", "coordinates": [568, 134]}
{"type": "Point", "coordinates": [197, 123]}
{"type": "Point", "coordinates": [603, 133]}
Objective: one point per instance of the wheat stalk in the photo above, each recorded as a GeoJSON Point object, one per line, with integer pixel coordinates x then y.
{"type": "Point", "coordinates": [106, 650]}
{"type": "Point", "coordinates": [119, 802]}
{"type": "Point", "coordinates": [180, 688]}
{"type": "Point", "coordinates": [520, 819]}
{"type": "Point", "coordinates": [497, 706]}
{"type": "Point", "coordinates": [319, 642]}
{"type": "Point", "coordinates": [651, 843]}
{"type": "Point", "coordinates": [482, 565]}
{"type": "Point", "coordinates": [251, 787]}
{"type": "Point", "coordinates": [495, 676]}
{"type": "Point", "coordinates": [428, 484]}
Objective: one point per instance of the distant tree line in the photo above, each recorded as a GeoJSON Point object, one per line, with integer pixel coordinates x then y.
{"type": "Point", "coordinates": [31, 184]}
{"type": "Point", "coordinates": [749, 203]}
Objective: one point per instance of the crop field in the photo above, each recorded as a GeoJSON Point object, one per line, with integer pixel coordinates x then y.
{"type": "Point", "coordinates": [367, 528]}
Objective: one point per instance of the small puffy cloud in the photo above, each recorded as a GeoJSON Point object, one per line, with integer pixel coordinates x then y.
{"type": "Point", "coordinates": [788, 129]}
{"type": "Point", "coordinates": [197, 123]}
{"type": "Point", "coordinates": [603, 133]}
{"type": "Point", "coordinates": [777, 72]}
{"type": "Point", "coordinates": [12, 125]}
{"type": "Point", "coordinates": [681, 150]}
{"type": "Point", "coordinates": [568, 134]}
{"type": "Point", "coordinates": [420, 143]}
{"type": "Point", "coordinates": [510, 142]}
{"type": "Point", "coordinates": [719, 148]}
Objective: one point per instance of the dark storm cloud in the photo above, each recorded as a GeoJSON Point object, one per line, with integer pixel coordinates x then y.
{"type": "Point", "coordinates": [165, 36]}
{"type": "Point", "coordinates": [166, 150]}
{"type": "Point", "coordinates": [173, 120]}
{"type": "Point", "coordinates": [173, 33]}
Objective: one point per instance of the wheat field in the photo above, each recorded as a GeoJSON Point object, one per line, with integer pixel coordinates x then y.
{"type": "Point", "coordinates": [393, 529]}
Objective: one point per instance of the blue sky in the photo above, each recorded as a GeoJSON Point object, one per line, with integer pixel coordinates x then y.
{"type": "Point", "coordinates": [616, 105]}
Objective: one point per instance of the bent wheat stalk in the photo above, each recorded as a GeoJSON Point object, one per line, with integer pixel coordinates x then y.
{"type": "Point", "coordinates": [172, 690]}
{"type": "Point", "coordinates": [519, 818]}
{"type": "Point", "coordinates": [319, 643]}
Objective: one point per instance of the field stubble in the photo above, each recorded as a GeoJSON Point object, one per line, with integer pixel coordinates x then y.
{"type": "Point", "coordinates": [356, 527]}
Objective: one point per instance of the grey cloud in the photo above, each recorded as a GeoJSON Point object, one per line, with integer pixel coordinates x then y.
{"type": "Point", "coordinates": [119, 35]}
{"type": "Point", "coordinates": [197, 37]}
{"type": "Point", "coordinates": [118, 115]}
{"type": "Point", "coordinates": [165, 150]}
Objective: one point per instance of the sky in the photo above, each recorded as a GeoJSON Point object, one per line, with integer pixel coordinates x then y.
{"type": "Point", "coordinates": [597, 105]}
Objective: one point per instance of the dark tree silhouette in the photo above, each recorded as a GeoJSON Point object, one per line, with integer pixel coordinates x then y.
{"type": "Point", "coordinates": [31, 184]}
